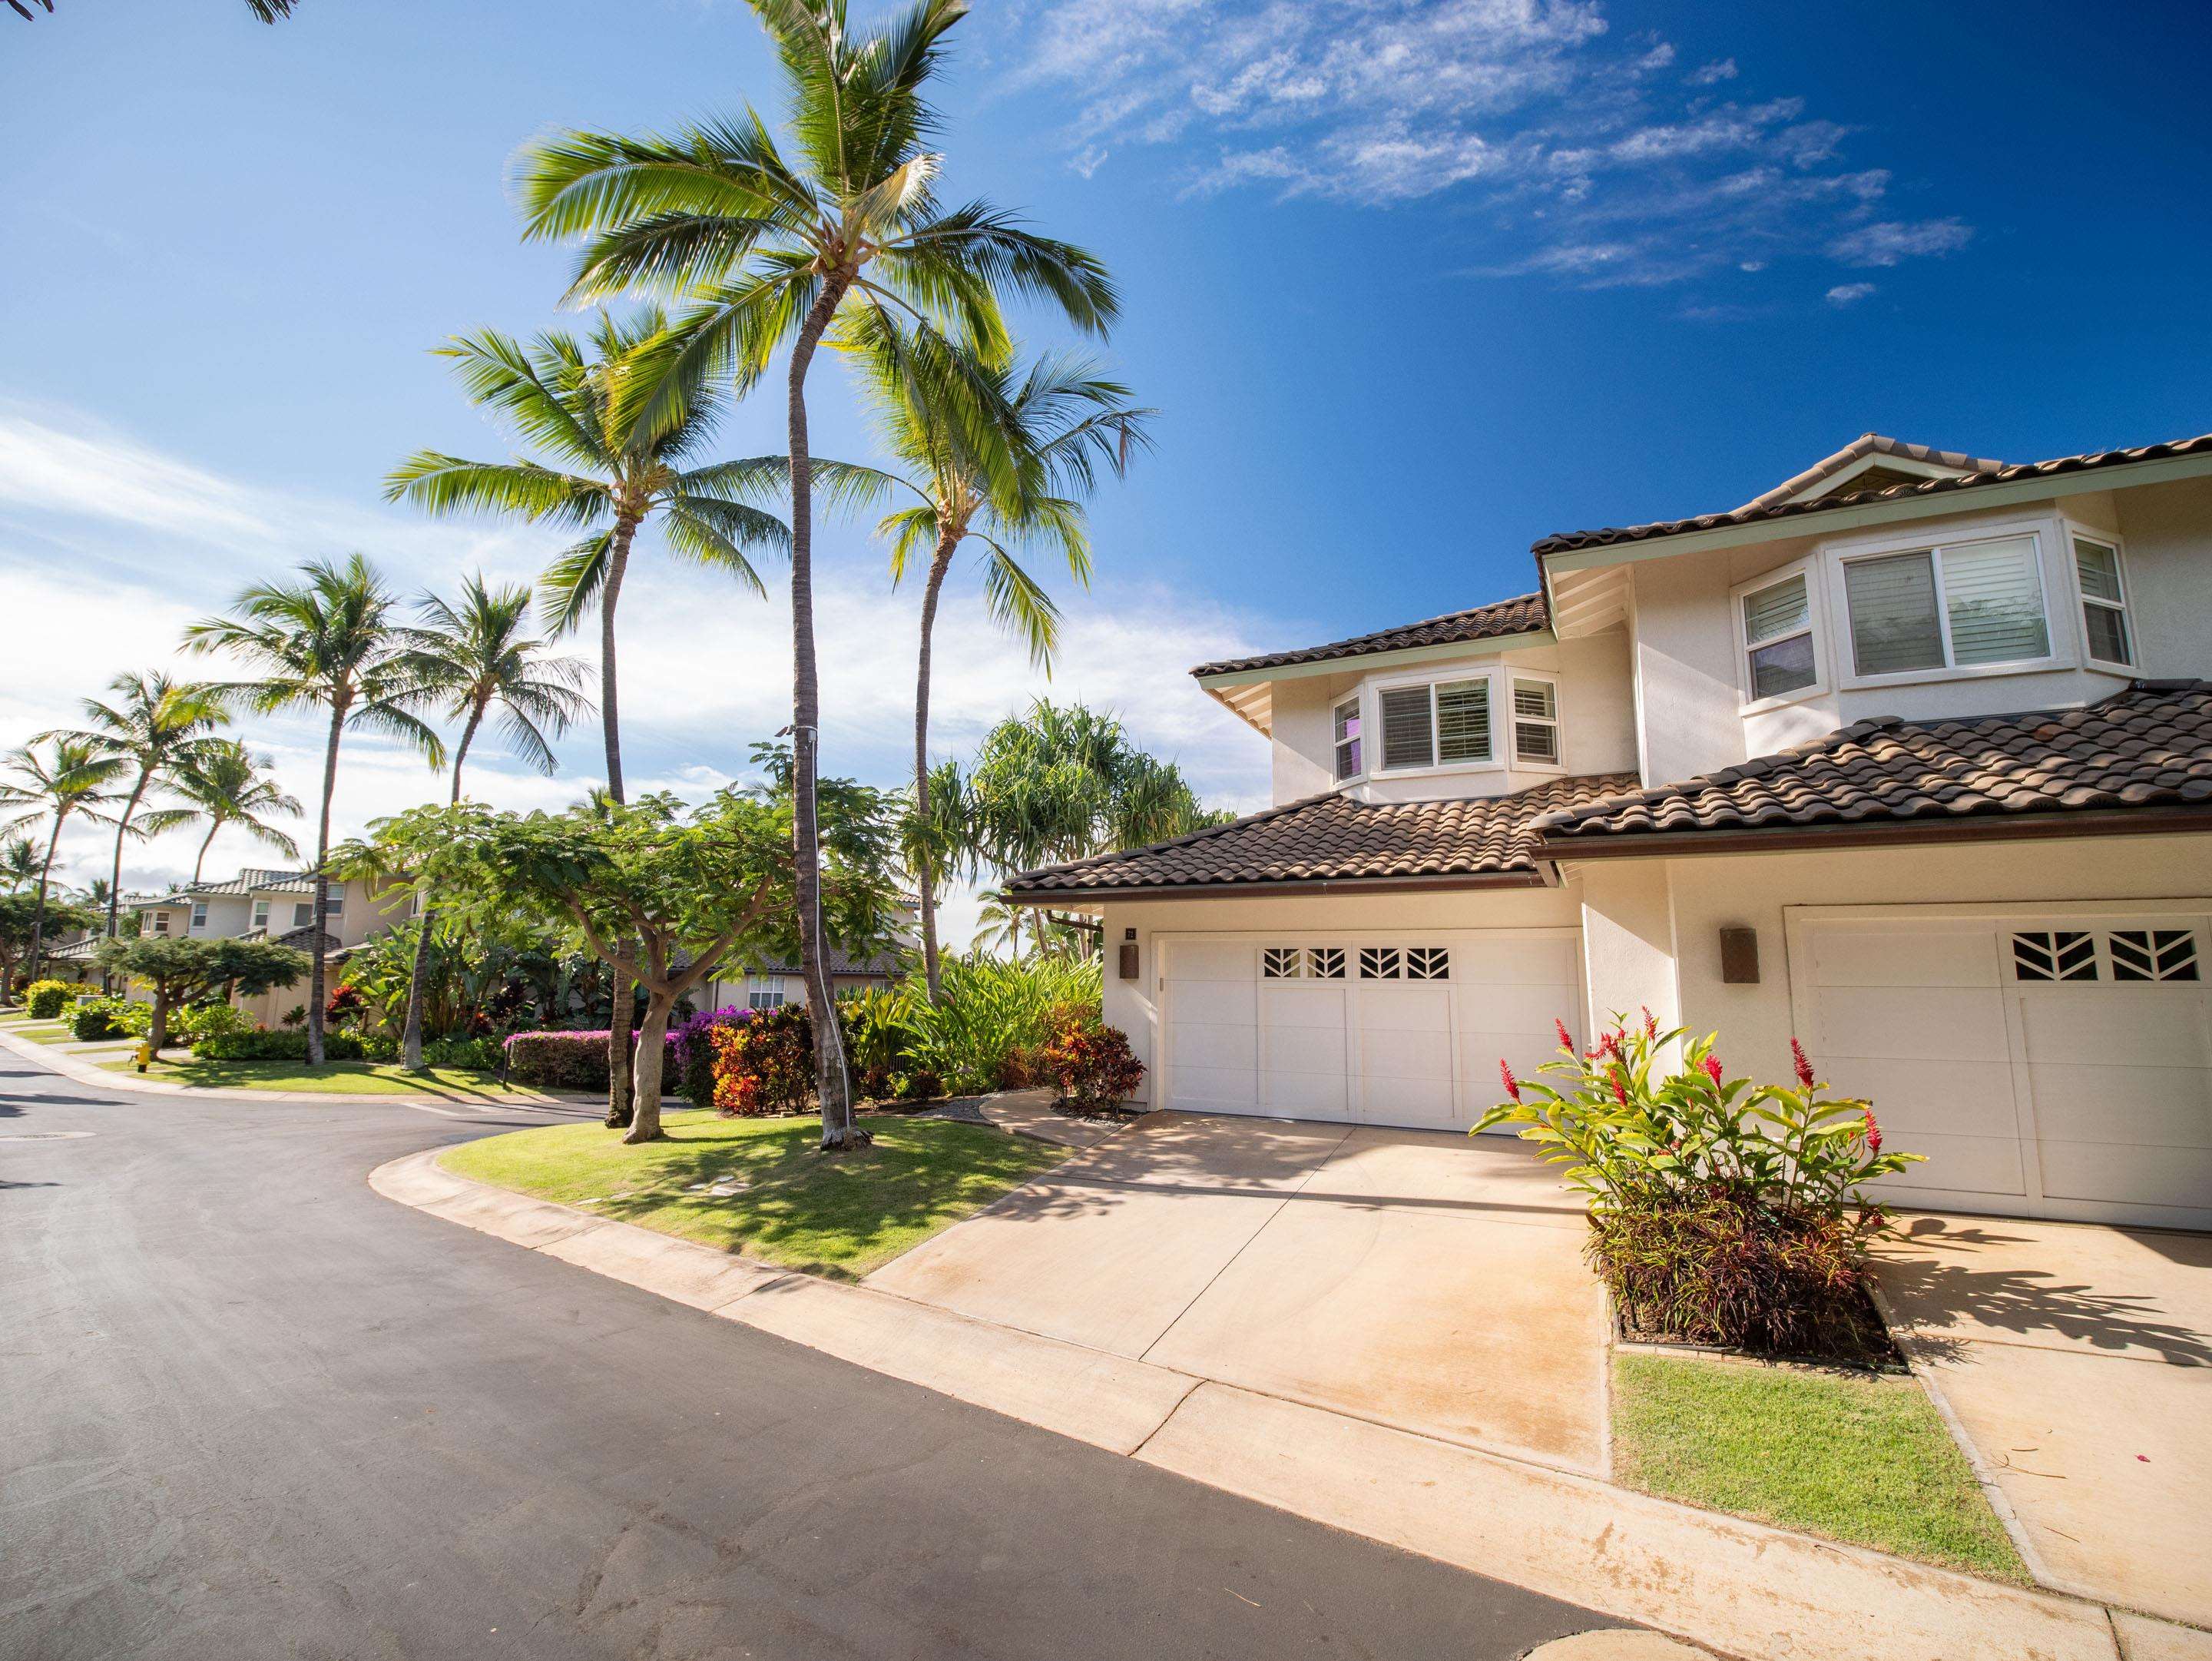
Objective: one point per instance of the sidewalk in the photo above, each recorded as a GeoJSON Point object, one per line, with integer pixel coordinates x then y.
{"type": "Point", "coordinates": [1735, 1587]}
{"type": "Point", "coordinates": [72, 1062]}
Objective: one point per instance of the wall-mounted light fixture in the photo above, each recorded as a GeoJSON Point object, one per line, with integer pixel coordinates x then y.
{"type": "Point", "coordinates": [1127, 967]}
{"type": "Point", "coordinates": [1740, 956]}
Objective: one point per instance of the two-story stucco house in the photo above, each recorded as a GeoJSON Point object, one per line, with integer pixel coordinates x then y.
{"type": "Point", "coordinates": [273, 905]}
{"type": "Point", "coordinates": [1910, 757]}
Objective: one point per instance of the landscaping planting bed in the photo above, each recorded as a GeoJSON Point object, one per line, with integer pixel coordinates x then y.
{"type": "Point", "coordinates": [1854, 1455]}
{"type": "Point", "coordinates": [762, 1187]}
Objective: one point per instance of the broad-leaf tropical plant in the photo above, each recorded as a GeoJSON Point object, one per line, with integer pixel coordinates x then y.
{"type": "Point", "coordinates": [157, 728]}
{"type": "Point", "coordinates": [71, 778]}
{"type": "Point", "coordinates": [333, 641]}
{"type": "Point", "coordinates": [224, 783]}
{"type": "Point", "coordinates": [479, 653]}
{"type": "Point", "coordinates": [605, 473]}
{"type": "Point", "coordinates": [768, 240]}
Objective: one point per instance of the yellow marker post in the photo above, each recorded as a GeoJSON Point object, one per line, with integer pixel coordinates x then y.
{"type": "Point", "coordinates": [145, 1054]}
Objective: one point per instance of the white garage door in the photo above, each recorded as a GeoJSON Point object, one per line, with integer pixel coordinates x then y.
{"type": "Point", "coordinates": [2048, 1065]}
{"type": "Point", "coordinates": [1390, 1029]}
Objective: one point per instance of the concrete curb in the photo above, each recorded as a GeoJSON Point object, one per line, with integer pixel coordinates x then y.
{"type": "Point", "coordinates": [1733, 1586]}
{"type": "Point", "coordinates": [73, 1067]}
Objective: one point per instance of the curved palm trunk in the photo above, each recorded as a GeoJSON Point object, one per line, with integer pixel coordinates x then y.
{"type": "Point", "coordinates": [115, 874]}
{"type": "Point", "coordinates": [315, 970]}
{"type": "Point", "coordinates": [38, 911]}
{"type": "Point", "coordinates": [418, 976]}
{"type": "Point", "coordinates": [838, 1129]}
{"type": "Point", "coordinates": [206, 841]}
{"type": "Point", "coordinates": [621, 1090]}
{"type": "Point", "coordinates": [938, 567]}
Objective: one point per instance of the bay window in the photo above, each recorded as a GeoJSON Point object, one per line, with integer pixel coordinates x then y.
{"type": "Point", "coordinates": [1535, 721]}
{"type": "Point", "coordinates": [1453, 723]}
{"type": "Point", "coordinates": [1779, 654]}
{"type": "Point", "coordinates": [2104, 601]}
{"type": "Point", "coordinates": [1344, 721]}
{"type": "Point", "coordinates": [1957, 606]}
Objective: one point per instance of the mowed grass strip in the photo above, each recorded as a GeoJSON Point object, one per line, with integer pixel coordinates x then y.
{"type": "Point", "coordinates": [834, 1215]}
{"type": "Point", "coordinates": [332, 1077]}
{"type": "Point", "coordinates": [1858, 1457]}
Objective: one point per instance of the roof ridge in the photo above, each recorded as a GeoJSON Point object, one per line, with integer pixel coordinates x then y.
{"type": "Point", "coordinates": [1362, 644]}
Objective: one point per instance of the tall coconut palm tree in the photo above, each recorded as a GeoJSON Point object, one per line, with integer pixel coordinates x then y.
{"type": "Point", "coordinates": [155, 726]}
{"type": "Point", "coordinates": [606, 475]}
{"type": "Point", "coordinates": [773, 247]}
{"type": "Point", "coordinates": [480, 656]}
{"type": "Point", "coordinates": [74, 778]}
{"type": "Point", "coordinates": [331, 641]}
{"type": "Point", "coordinates": [225, 783]}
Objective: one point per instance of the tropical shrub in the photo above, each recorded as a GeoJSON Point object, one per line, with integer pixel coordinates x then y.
{"type": "Point", "coordinates": [47, 999]}
{"type": "Point", "coordinates": [204, 1020]}
{"type": "Point", "coordinates": [263, 1045]}
{"type": "Point", "coordinates": [346, 1005]}
{"type": "Point", "coordinates": [1092, 1064]}
{"type": "Point", "coordinates": [563, 1060]}
{"type": "Point", "coordinates": [764, 1065]}
{"type": "Point", "coordinates": [691, 1053]}
{"type": "Point", "coordinates": [994, 1016]}
{"type": "Point", "coordinates": [1720, 1212]}
{"type": "Point", "coordinates": [483, 1054]}
{"type": "Point", "coordinates": [878, 1023]}
{"type": "Point", "coordinates": [96, 1019]}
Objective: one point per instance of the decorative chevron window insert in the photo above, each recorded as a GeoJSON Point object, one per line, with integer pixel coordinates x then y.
{"type": "Point", "coordinates": [2153, 954]}
{"type": "Point", "coordinates": [1382, 963]}
{"type": "Point", "coordinates": [1428, 962]}
{"type": "Point", "coordinates": [1282, 962]}
{"type": "Point", "coordinates": [1325, 962]}
{"type": "Point", "coordinates": [2055, 954]}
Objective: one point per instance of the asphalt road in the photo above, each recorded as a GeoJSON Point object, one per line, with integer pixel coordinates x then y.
{"type": "Point", "coordinates": [249, 1409]}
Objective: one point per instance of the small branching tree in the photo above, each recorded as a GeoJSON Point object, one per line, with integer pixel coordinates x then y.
{"type": "Point", "coordinates": [178, 970]}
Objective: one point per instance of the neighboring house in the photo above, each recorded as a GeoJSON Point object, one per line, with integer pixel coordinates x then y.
{"type": "Point", "coordinates": [1910, 757]}
{"type": "Point", "coordinates": [775, 981]}
{"type": "Point", "coordinates": [260, 904]}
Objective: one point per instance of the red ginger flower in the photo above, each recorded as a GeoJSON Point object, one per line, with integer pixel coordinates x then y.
{"type": "Point", "coordinates": [1804, 1067]}
{"type": "Point", "coordinates": [1873, 1133]}
{"type": "Point", "coordinates": [1712, 1066]}
{"type": "Point", "coordinates": [1512, 1084]}
{"type": "Point", "coordinates": [1620, 1087]}
{"type": "Point", "coordinates": [1567, 1041]}
{"type": "Point", "coordinates": [1650, 1024]}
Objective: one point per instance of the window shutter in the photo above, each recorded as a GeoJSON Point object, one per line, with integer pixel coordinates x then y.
{"type": "Point", "coordinates": [1463, 722]}
{"type": "Point", "coordinates": [1405, 728]}
{"type": "Point", "coordinates": [1892, 606]}
{"type": "Point", "coordinates": [1781, 610]}
{"type": "Point", "coordinates": [1994, 596]}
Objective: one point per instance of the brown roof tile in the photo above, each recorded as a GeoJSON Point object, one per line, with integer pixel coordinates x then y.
{"type": "Point", "coordinates": [1521, 615]}
{"type": "Point", "coordinates": [2148, 747]}
{"type": "Point", "coordinates": [1764, 507]}
{"type": "Point", "coordinates": [1334, 838]}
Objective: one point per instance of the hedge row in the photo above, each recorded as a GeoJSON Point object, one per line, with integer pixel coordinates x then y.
{"type": "Point", "coordinates": [573, 1060]}
{"type": "Point", "coordinates": [288, 1046]}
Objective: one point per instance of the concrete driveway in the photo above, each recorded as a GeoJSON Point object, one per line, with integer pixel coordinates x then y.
{"type": "Point", "coordinates": [1428, 1281]}
{"type": "Point", "coordinates": [2078, 1361]}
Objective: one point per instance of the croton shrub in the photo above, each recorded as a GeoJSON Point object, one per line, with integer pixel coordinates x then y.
{"type": "Point", "coordinates": [1721, 1211]}
{"type": "Point", "coordinates": [764, 1065]}
{"type": "Point", "coordinates": [1092, 1064]}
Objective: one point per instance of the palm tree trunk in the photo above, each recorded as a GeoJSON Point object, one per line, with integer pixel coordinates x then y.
{"type": "Point", "coordinates": [315, 973]}
{"type": "Point", "coordinates": [418, 976]}
{"type": "Point", "coordinates": [206, 841]}
{"type": "Point", "coordinates": [115, 875]}
{"type": "Point", "coordinates": [620, 1085]}
{"type": "Point", "coordinates": [938, 567]}
{"type": "Point", "coordinates": [38, 911]}
{"type": "Point", "coordinates": [838, 1129]}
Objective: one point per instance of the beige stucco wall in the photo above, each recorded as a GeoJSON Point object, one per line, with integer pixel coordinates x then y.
{"type": "Point", "coordinates": [1133, 1005]}
{"type": "Point", "coordinates": [1708, 894]}
{"type": "Point", "coordinates": [2168, 529]}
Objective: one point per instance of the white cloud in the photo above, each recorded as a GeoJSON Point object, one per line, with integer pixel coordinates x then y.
{"type": "Point", "coordinates": [1849, 294]}
{"type": "Point", "coordinates": [1569, 138]}
{"type": "Point", "coordinates": [1889, 241]}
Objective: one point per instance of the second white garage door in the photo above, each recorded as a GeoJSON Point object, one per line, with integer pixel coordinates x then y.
{"type": "Point", "coordinates": [1390, 1029]}
{"type": "Point", "coordinates": [2049, 1065]}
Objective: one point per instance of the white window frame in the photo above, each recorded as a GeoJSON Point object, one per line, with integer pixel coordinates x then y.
{"type": "Point", "coordinates": [334, 904]}
{"type": "Point", "coordinates": [1557, 722]}
{"type": "Point", "coordinates": [261, 914]}
{"type": "Point", "coordinates": [1357, 699]}
{"type": "Point", "coordinates": [160, 923]}
{"type": "Point", "coordinates": [298, 921]}
{"type": "Point", "coordinates": [766, 986]}
{"type": "Point", "coordinates": [1816, 624]}
{"type": "Point", "coordinates": [2039, 530]}
{"type": "Point", "coordinates": [2069, 529]}
{"type": "Point", "coordinates": [1371, 721]}
{"type": "Point", "coordinates": [199, 918]}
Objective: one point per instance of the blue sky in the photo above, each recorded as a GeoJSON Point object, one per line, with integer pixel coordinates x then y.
{"type": "Point", "coordinates": [1412, 284]}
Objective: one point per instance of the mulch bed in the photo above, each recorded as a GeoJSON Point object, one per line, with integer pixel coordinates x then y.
{"type": "Point", "coordinates": [1869, 1345]}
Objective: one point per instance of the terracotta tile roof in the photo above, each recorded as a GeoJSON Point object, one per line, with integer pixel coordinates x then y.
{"type": "Point", "coordinates": [1869, 444]}
{"type": "Point", "coordinates": [1519, 616]}
{"type": "Point", "coordinates": [2148, 747]}
{"type": "Point", "coordinates": [252, 880]}
{"type": "Point", "coordinates": [1333, 839]}
{"type": "Point", "coordinates": [1762, 508]}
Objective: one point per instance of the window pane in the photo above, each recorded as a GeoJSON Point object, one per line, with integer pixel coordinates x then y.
{"type": "Point", "coordinates": [1995, 599]}
{"type": "Point", "coordinates": [2099, 569]}
{"type": "Point", "coordinates": [1347, 740]}
{"type": "Point", "coordinates": [1781, 610]}
{"type": "Point", "coordinates": [1784, 667]}
{"type": "Point", "coordinates": [1535, 741]}
{"type": "Point", "coordinates": [1463, 722]}
{"type": "Point", "coordinates": [1405, 728]}
{"type": "Point", "coordinates": [2108, 633]}
{"type": "Point", "coordinates": [1893, 605]}
{"type": "Point", "coordinates": [1533, 697]}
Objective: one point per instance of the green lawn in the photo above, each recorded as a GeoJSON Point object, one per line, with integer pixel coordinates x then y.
{"type": "Point", "coordinates": [835, 1214]}
{"type": "Point", "coordinates": [43, 1033]}
{"type": "Point", "coordinates": [333, 1078]}
{"type": "Point", "coordinates": [1856, 1456]}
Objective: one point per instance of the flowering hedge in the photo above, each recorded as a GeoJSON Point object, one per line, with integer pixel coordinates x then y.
{"type": "Point", "coordinates": [1721, 1211]}
{"type": "Point", "coordinates": [567, 1060]}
